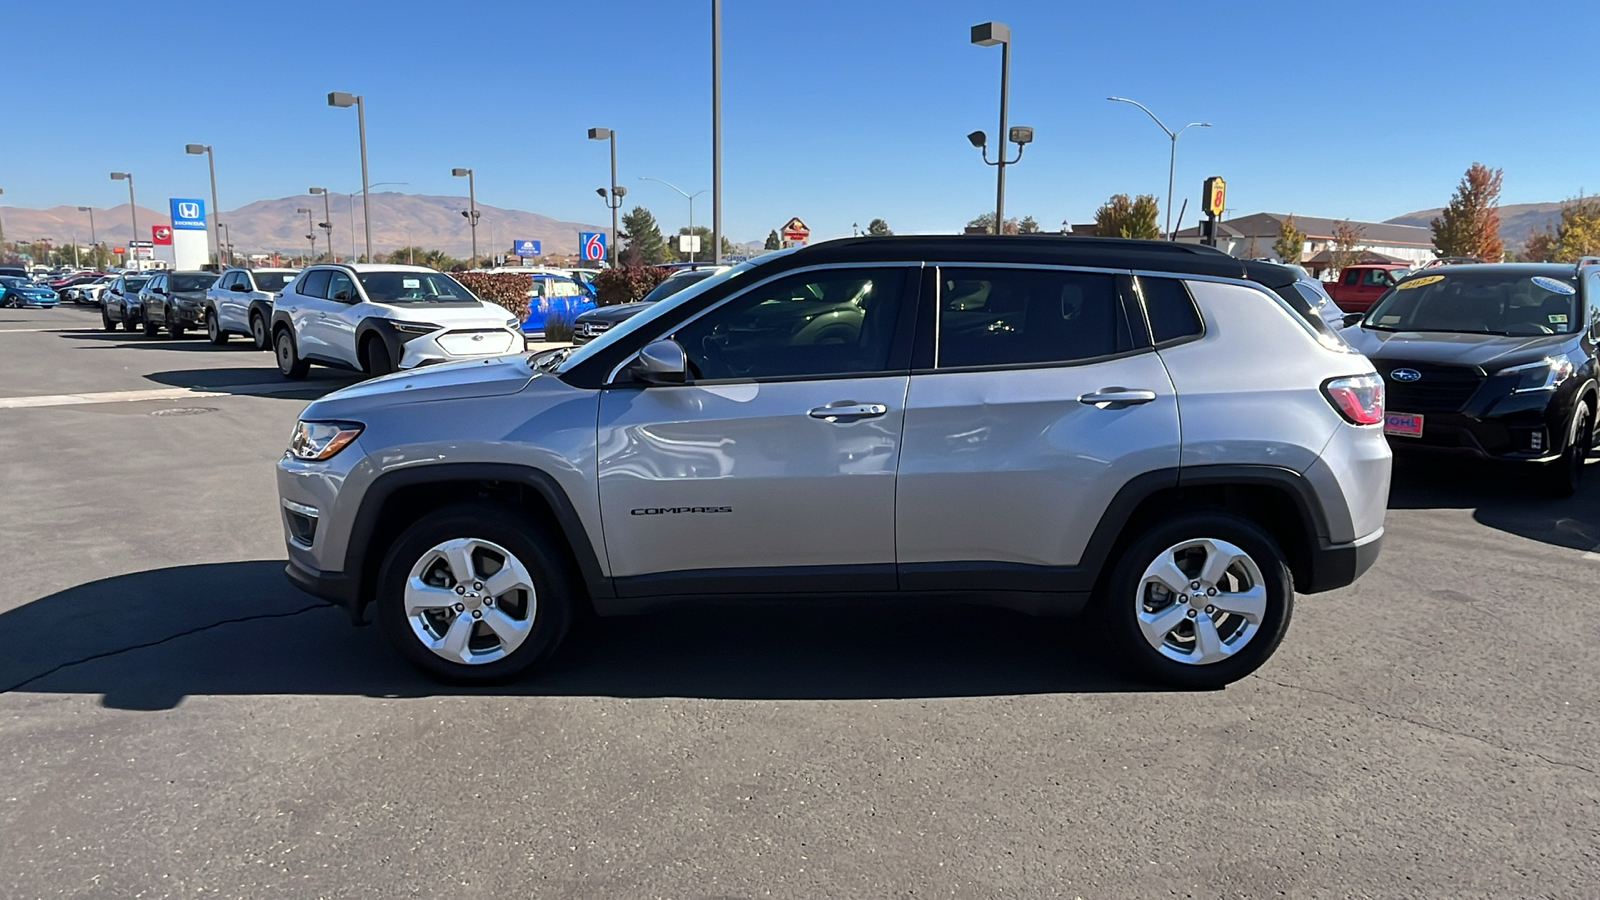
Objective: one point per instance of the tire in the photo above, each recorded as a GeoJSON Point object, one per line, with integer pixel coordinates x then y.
{"type": "Point", "coordinates": [1562, 476]}
{"type": "Point", "coordinates": [128, 324]}
{"type": "Point", "coordinates": [1163, 639]}
{"type": "Point", "coordinates": [510, 632]}
{"type": "Point", "coordinates": [174, 328]}
{"type": "Point", "coordinates": [258, 332]}
{"type": "Point", "coordinates": [289, 361]}
{"type": "Point", "coordinates": [379, 362]}
{"type": "Point", "coordinates": [105, 320]}
{"type": "Point", "coordinates": [151, 329]}
{"type": "Point", "coordinates": [214, 332]}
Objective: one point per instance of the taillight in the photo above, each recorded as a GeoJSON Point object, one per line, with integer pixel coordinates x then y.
{"type": "Point", "coordinates": [1358, 398]}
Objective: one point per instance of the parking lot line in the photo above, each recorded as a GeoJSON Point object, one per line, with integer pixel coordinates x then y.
{"type": "Point", "coordinates": [43, 400]}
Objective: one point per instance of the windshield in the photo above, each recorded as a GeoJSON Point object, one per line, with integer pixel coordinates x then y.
{"type": "Point", "coordinates": [190, 282]}
{"type": "Point", "coordinates": [12, 281]}
{"type": "Point", "coordinates": [413, 287]}
{"type": "Point", "coordinates": [275, 281]}
{"type": "Point", "coordinates": [565, 362]}
{"type": "Point", "coordinates": [676, 283]}
{"type": "Point", "coordinates": [133, 284]}
{"type": "Point", "coordinates": [1483, 302]}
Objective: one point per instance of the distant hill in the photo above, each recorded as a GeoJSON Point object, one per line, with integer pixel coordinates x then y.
{"type": "Point", "coordinates": [1516, 220]}
{"type": "Point", "coordinates": [273, 225]}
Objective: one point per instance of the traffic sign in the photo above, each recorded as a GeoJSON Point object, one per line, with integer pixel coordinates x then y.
{"type": "Point", "coordinates": [1216, 195]}
{"type": "Point", "coordinates": [591, 245]}
{"type": "Point", "coordinates": [525, 248]}
{"type": "Point", "coordinates": [161, 234]}
{"type": "Point", "coordinates": [188, 215]}
{"type": "Point", "coordinates": [795, 230]}
{"type": "Point", "coordinates": [688, 243]}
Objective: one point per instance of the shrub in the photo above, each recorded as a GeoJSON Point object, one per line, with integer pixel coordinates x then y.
{"type": "Point", "coordinates": [557, 329]}
{"type": "Point", "coordinates": [508, 289]}
{"type": "Point", "coordinates": [625, 284]}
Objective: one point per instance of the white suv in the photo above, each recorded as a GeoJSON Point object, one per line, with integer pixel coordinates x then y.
{"type": "Point", "coordinates": [379, 318]}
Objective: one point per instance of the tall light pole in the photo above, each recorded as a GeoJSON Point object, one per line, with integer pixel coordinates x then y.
{"type": "Point", "coordinates": [93, 241]}
{"type": "Point", "coordinates": [350, 197]}
{"type": "Point", "coordinates": [987, 35]}
{"type": "Point", "coordinates": [1172, 158]}
{"type": "Point", "coordinates": [471, 211]}
{"type": "Point", "coordinates": [133, 209]}
{"type": "Point", "coordinates": [327, 221]}
{"type": "Point", "coordinates": [311, 235]}
{"type": "Point", "coordinates": [226, 240]}
{"type": "Point", "coordinates": [614, 199]}
{"type": "Point", "coordinates": [3, 228]}
{"type": "Point", "coordinates": [216, 213]}
{"type": "Point", "coordinates": [687, 196]}
{"type": "Point", "coordinates": [716, 131]}
{"type": "Point", "coordinates": [343, 101]}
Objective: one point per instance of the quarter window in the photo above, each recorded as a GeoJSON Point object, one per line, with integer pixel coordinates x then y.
{"type": "Point", "coordinates": [1170, 308]}
{"type": "Point", "coordinates": [314, 284]}
{"type": "Point", "coordinates": [1001, 317]}
{"type": "Point", "coordinates": [817, 324]}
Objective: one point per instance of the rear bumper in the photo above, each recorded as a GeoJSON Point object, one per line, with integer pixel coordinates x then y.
{"type": "Point", "coordinates": [1339, 565]}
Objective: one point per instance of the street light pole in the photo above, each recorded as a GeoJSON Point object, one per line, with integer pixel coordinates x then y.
{"type": "Point", "coordinates": [311, 235]}
{"type": "Point", "coordinates": [1172, 157]}
{"type": "Point", "coordinates": [716, 131]}
{"type": "Point", "coordinates": [344, 100]}
{"type": "Point", "coordinates": [350, 199]}
{"type": "Point", "coordinates": [687, 196]}
{"type": "Point", "coordinates": [133, 210]}
{"type": "Point", "coordinates": [472, 204]}
{"type": "Point", "coordinates": [327, 221]}
{"type": "Point", "coordinates": [987, 35]}
{"type": "Point", "coordinates": [216, 213]}
{"type": "Point", "coordinates": [614, 199]}
{"type": "Point", "coordinates": [93, 240]}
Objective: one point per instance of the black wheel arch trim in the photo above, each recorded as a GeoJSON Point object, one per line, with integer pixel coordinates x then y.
{"type": "Point", "coordinates": [386, 332]}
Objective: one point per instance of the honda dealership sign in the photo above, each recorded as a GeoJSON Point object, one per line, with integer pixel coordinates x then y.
{"type": "Point", "coordinates": [190, 248]}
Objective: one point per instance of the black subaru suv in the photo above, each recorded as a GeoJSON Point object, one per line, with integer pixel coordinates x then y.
{"type": "Point", "coordinates": [1492, 361]}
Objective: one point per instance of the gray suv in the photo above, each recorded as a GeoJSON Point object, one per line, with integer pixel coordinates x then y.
{"type": "Point", "coordinates": [1142, 431]}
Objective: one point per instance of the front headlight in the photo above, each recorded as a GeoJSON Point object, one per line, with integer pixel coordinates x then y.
{"type": "Point", "coordinates": [317, 441]}
{"type": "Point", "coordinates": [1545, 375]}
{"type": "Point", "coordinates": [415, 327]}
{"type": "Point", "coordinates": [513, 323]}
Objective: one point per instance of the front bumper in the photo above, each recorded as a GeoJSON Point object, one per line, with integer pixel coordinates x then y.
{"type": "Point", "coordinates": [333, 587]}
{"type": "Point", "coordinates": [451, 344]}
{"type": "Point", "coordinates": [1531, 437]}
{"type": "Point", "coordinates": [186, 316]}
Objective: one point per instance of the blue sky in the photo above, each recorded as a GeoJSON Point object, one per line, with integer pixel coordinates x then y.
{"type": "Point", "coordinates": [837, 112]}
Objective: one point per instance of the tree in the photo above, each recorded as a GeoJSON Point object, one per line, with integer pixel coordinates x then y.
{"type": "Point", "coordinates": [878, 228]}
{"type": "Point", "coordinates": [1470, 225]}
{"type": "Point", "coordinates": [773, 242]}
{"type": "Point", "coordinates": [1578, 232]}
{"type": "Point", "coordinates": [1540, 245]}
{"type": "Point", "coordinates": [705, 244]}
{"type": "Point", "coordinates": [1291, 243]}
{"type": "Point", "coordinates": [1346, 249]}
{"type": "Point", "coordinates": [645, 236]}
{"type": "Point", "coordinates": [1122, 217]}
{"type": "Point", "coordinates": [986, 222]}
{"type": "Point", "coordinates": [1027, 226]}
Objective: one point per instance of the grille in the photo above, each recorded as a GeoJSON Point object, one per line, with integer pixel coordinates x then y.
{"type": "Point", "coordinates": [1441, 389]}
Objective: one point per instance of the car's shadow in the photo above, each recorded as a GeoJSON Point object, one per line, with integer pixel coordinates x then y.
{"type": "Point", "coordinates": [148, 640]}
{"type": "Point", "coordinates": [1501, 497]}
{"type": "Point", "coordinates": [257, 380]}
{"type": "Point", "coordinates": [192, 342]}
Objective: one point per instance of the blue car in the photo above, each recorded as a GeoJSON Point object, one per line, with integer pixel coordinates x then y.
{"type": "Point", "coordinates": [20, 292]}
{"type": "Point", "coordinates": [555, 296]}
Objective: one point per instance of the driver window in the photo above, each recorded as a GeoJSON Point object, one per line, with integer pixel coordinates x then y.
{"type": "Point", "coordinates": [1377, 278]}
{"type": "Point", "coordinates": [339, 281]}
{"type": "Point", "coordinates": [314, 284]}
{"type": "Point", "coordinates": [817, 324]}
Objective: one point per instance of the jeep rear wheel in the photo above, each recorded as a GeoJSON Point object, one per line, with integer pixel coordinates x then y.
{"type": "Point", "coordinates": [1199, 602]}
{"type": "Point", "coordinates": [474, 593]}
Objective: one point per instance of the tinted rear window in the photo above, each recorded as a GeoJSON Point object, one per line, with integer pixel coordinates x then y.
{"type": "Point", "coordinates": [314, 284]}
{"type": "Point", "coordinates": [1170, 308]}
{"type": "Point", "coordinates": [999, 317]}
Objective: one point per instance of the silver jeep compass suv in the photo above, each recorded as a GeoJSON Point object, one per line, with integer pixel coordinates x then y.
{"type": "Point", "coordinates": [1143, 431]}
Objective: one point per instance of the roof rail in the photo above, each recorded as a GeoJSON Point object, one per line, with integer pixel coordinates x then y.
{"type": "Point", "coordinates": [1587, 261]}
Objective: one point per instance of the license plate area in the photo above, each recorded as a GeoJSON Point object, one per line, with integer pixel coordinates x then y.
{"type": "Point", "coordinates": [1402, 424]}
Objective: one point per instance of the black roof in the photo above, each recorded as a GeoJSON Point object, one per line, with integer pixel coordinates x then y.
{"type": "Point", "coordinates": [1048, 249]}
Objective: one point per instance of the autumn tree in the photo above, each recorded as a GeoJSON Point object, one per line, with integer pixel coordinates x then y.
{"type": "Point", "coordinates": [1291, 243]}
{"type": "Point", "coordinates": [1470, 225]}
{"type": "Point", "coordinates": [1578, 232]}
{"type": "Point", "coordinates": [1128, 218]}
{"type": "Point", "coordinates": [1540, 245]}
{"type": "Point", "coordinates": [878, 228]}
{"type": "Point", "coordinates": [1346, 249]}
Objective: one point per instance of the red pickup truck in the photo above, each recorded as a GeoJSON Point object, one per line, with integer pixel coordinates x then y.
{"type": "Point", "coordinates": [1360, 286]}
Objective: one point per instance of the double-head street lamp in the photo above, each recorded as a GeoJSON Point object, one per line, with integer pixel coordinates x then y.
{"type": "Point", "coordinates": [311, 235]}
{"type": "Point", "coordinates": [93, 241]}
{"type": "Point", "coordinates": [613, 199]}
{"type": "Point", "coordinates": [687, 196]}
{"type": "Point", "coordinates": [1172, 159]}
{"type": "Point", "coordinates": [216, 214]}
{"type": "Point", "coordinates": [133, 208]}
{"type": "Point", "coordinates": [471, 212]}
{"type": "Point", "coordinates": [344, 100]}
{"type": "Point", "coordinates": [327, 221]}
{"type": "Point", "coordinates": [989, 34]}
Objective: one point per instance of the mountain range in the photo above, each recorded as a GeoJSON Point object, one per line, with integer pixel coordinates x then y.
{"type": "Point", "coordinates": [1517, 220]}
{"type": "Point", "coordinates": [274, 225]}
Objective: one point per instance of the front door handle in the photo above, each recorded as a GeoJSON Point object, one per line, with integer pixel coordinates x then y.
{"type": "Point", "coordinates": [848, 411]}
{"type": "Point", "coordinates": [1117, 398]}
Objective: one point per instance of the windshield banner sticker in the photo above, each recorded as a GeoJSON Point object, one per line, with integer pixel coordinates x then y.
{"type": "Point", "coordinates": [1424, 281]}
{"type": "Point", "coordinates": [1554, 286]}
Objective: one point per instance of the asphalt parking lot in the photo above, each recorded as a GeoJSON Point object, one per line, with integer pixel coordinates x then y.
{"type": "Point", "coordinates": [176, 720]}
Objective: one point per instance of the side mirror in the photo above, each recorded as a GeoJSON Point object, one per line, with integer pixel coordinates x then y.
{"type": "Point", "coordinates": [660, 362]}
{"type": "Point", "coordinates": [1353, 318]}
{"type": "Point", "coordinates": [343, 296]}
{"type": "Point", "coordinates": [238, 288]}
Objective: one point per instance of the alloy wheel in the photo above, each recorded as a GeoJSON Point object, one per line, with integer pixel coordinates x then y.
{"type": "Point", "coordinates": [470, 601]}
{"type": "Point", "coordinates": [1200, 601]}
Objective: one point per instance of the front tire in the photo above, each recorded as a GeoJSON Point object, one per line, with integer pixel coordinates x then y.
{"type": "Point", "coordinates": [289, 361]}
{"type": "Point", "coordinates": [1563, 476]}
{"type": "Point", "coordinates": [151, 329]}
{"type": "Point", "coordinates": [1198, 602]}
{"type": "Point", "coordinates": [474, 593]}
{"type": "Point", "coordinates": [105, 320]}
{"type": "Point", "coordinates": [379, 362]}
{"type": "Point", "coordinates": [214, 332]}
{"type": "Point", "coordinates": [128, 324]}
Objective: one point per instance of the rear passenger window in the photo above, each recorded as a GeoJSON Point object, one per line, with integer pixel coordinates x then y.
{"type": "Point", "coordinates": [1170, 308]}
{"type": "Point", "coordinates": [999, 317]}
{"type": "Point", "coordinates": [315, 284]}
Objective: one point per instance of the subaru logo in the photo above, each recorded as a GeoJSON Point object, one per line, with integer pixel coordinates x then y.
{"type": "Point", "coordinates": [1406, 375]}
{"type": "Point", "coordinates": [188, 210]}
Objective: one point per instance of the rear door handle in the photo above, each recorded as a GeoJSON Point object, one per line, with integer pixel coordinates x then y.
{"type": "Point", "coordinates": [848, 411]}
{"type": "Point", "coordinates": [1117, 398]}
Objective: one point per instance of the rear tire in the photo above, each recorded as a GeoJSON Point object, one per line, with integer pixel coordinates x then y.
{"type": "Point", "coordinates": [509, 632]}
{"type": "Point", "coordinates": [214, 332]}
{"type": "Point", "coordinates": [175, 329]}
{"type": "Point", "coordinates": [379, 362]}
{"type": "Point", "coordinates": [128, 324]}
{"type": "Point", "coordinates": [1230, 599]}
{"type": "Point", "coordinates": [151, 329]}
{"type": "Point", "coordinates": [105, 320]}
{"type": "Point", "coordinates": [1563, 476]}
{"type": "Point", "coordinates": [289, 361]}
{"type": "Point", "coordinates": [258, 332]}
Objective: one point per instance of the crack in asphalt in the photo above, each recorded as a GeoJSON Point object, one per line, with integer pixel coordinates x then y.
{"type": "Point", "coordinates": [155, 643]}
{"type": "Point", "coordinates": [1436, 728]}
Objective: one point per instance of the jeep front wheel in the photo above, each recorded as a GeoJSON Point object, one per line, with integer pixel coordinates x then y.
{"type": "Point", "coordinates": [1199, 602]}
{"type": "Point", "coordinates": [474, 593]}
